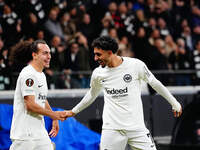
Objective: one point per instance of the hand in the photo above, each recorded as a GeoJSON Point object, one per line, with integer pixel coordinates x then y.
{"type": "Point", "coordinates": [177, 113]}
{"type": "Point", "coordinates": [59, 115]}
{"type": "Point", "coordinates": [69, 113]}
{"type": "Point", "coordinates": [55, 129]}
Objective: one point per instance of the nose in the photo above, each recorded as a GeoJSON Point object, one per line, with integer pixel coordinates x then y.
{"type": "Point", "coordinates": [96, 57]}
{"type": "Point", "coordinates": [49, 56]}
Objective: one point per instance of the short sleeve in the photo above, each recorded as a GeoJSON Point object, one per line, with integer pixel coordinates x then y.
{"type": "Point", "coordinates": [28, 83]}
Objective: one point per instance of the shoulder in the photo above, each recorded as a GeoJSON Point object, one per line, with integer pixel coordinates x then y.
{"type": "Point", "coordinates": [97, 71]}
{"type": "Point", "coordinates": [133, 61]}
{"type": "Point", "coordinates": [27, 72]}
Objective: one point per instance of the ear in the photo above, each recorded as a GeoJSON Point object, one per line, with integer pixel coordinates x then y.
{"type": "Point", "coordinates": [33, 55]}
{"type": "Point", "coordinates": [110, 52]}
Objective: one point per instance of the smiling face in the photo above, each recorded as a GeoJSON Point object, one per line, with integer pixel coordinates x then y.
{"type": "Point", "coordinates": [102, 56]}
{"type": "Point", "coordinates": [42, 57]}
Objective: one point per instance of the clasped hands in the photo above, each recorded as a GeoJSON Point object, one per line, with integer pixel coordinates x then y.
{"type": "Point", "coordinates": [63, 115]}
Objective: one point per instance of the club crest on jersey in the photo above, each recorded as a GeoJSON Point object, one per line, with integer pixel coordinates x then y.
{"type": "Point", "coordinates": [29, 82]}
{"type": "Point", "coordinates": [127, 78]}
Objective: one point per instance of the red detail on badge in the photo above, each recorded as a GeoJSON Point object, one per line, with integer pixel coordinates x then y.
{"type": "Point", "coordinates": [29, 82]}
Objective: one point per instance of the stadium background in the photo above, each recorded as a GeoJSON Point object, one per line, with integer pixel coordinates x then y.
{"type": "Point", "coordinates": [163, 33]}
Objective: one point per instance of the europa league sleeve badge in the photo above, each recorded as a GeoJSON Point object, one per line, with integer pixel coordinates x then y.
{"type": "Point", "coordinates": [29, 82]}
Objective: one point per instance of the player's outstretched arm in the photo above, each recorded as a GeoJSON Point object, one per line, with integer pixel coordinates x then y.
{"type": "Point", "coordinates": [34, 107]}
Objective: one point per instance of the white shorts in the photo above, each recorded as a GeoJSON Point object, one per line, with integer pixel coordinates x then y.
{"type": "Point", "coordinates": [118, 139]}
{"type": "Point", "coordinates": [41, 144]}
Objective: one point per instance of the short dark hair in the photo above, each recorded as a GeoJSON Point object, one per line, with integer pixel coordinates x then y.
{"type": "Point", "coordinates": [22, 51]}
{"type": "Point", "coordinates": [105, 43]}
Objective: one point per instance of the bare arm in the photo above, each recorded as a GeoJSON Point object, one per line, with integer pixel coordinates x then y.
{"type": "Point", "coordinates": [34, 107]}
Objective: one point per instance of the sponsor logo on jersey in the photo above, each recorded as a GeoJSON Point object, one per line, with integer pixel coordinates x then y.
{"type": "Point", "coordinates": [29, 82]}
{"type": "Point", "coordinates": [127, 78]}
{"type": "Point", "coordinates": [117, 92]}
{"type": "Point", "coordinates": [42, 97]}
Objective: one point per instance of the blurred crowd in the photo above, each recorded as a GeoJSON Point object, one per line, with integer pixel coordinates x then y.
{"type": "Point", "coordinates": [165, 34]}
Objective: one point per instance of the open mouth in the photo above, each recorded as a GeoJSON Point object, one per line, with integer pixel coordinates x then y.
{"type": "Point", "coordinates": [100, 62]}
{"type": "Point", "coordinates": [47, 62]}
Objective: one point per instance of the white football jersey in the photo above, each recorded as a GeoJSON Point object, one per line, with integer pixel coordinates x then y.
{"type": "Point", "coordinates": [122, 87]}
{"type": "Point", "coordinates": [29, 125]}
{"type": "Point", "coordinates": [122, 94]}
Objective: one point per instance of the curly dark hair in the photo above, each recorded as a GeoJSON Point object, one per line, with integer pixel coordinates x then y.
{"type": "Point", "coordinates": [105, 43]}
{"type": "Point", "coordinates": [22, 51]}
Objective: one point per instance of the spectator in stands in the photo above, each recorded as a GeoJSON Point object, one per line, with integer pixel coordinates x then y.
{"type": "Point", "coordinates": [152, 25]}
{"type": "Point", "coordinates": [150, 8]}
{"type": "Point", "coordinates": [87, 28]}
{"type": "Point", "coordinates": [37, 7]}
{"type": "Point", "coordinates": [68, 27]}
{"type": "Point", "coordinates": [74, 15]}
{"type": "Point", "coordinates": [141, 20]}
{"type": "Point", "coordinates": [188, 37]}
{"type": "Point", "coordinates": [57, 64]}
{"type": "Point", "coordinates": [72, 65]}
{"type": "Point", "coordinates": [159, 59]}
{"type": "Point", "coordinates": [170, 45]}
{"type": "Point", "coordinates": [31, 22]}
{"type": "Point", "coordinates": [11, 25]}
{"type": "Point", "coordinates": [106, 25]}
{"type": "Point", "coordinates": [179, 12]}
{"type": "Point", "coordinates": [180, 59]}
{"type": "Point", "coordinates": [112, 32]}
{"type": "Point", "coordinates": [125, 47]}
{"type": "Point", "coordinates": [84, 60]}
{"type": "Point", "coordinates": [53, 26]}
{"type": "Point", "coordinates": [114, 14]}
{"type": "Point", "coordinates": [155, 34]}
{"type": "Point", "coordinates": [162, 26]}
{"type": "Point", "coordinates": [40, 35]}
{"type": "Point", "coordinates": [122, 10]}
{"type": "Point", "coordinates": [141, 47]}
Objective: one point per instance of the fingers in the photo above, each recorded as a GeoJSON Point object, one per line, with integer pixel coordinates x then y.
{"type": "Point", "coordinates": [176, 113]}
{"type": "Point", "coordinates": [60, 115]}
{"type": "Point", "coordinates": [53, 133]}
{"type": "Point", "coordinates": [55, 129]}
{"type": "Point", "coordinates": [69, 113]}
{"type": "Point", "coordinates": [63, 115]}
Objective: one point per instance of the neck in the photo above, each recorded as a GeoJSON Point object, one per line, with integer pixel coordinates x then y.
{"type": "Point", "coordinates": [115, 61]}
{"type": "Point", "coordinates": [36, 66]}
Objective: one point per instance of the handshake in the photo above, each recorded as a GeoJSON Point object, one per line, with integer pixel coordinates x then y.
{"type": "Point", "coordinates": [61, 115]}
